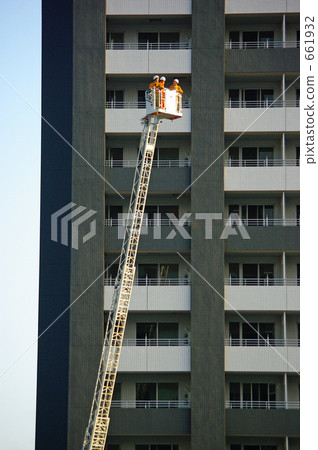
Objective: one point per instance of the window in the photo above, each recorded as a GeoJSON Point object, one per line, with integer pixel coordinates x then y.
{"type": "Point", "coordinates": [234, 272]}
{"type": "Point", "coordinates": [154, 331]}
{"type": "Point", "coordinates": [298, 274]}
{"type": "Point", "coordinates": [156, 41]}
{"type": "Point", "coordinates": [258, 395]}
{"type": "Point", "coordinates": [115, 156]}
{"type": "Point", "coordinates": [298, 38]}
{"type": "Point", "coordinates": [235, 394]}
{"type": "Point", "coordinates": [297, 97]}
{"type": "Point", "coordinates": [151, 393]}
{"type": "Point", "coordinates": [298, 214]}
{"type": "Point", "coordinates": [112, 447]}
{"type": "Point", "coordinates": [115, 98]}
{"type": "Point", "coordinates": [297, 155]}
{"type": "Point", "coordinates": [251, 334]}
{"type": "Point", "coordinates": [141, 99]}
{"type": "Point", "coordinates": [258, 274]}
{"type": "Point", "coordinates": [234, 98]}
{"type": "Point", "coordinates": [158, 273]}
{"type": "Point", "coordinates": [234, 37]}
{"type": "Point", "coordinates": [234, 156]}
{"type": "Point", "coordinates": [115, 38]}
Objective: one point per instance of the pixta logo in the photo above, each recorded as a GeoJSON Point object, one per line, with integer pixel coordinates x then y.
{"type": "Point", "coordinates": [64, 224]}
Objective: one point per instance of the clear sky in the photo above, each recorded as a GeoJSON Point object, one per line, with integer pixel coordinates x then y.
{"type": "Point", "coordinates": [20, 65]}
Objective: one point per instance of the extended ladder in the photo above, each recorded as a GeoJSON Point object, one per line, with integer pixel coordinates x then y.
{"type": "Point", "coordinates": [96, 432]}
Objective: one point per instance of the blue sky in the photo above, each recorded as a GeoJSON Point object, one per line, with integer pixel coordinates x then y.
{"type": "Point", "coordinates": [20, 65]}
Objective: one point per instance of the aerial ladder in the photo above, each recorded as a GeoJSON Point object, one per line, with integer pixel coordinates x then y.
{"type": "Point", "coordinates": [160, 104]}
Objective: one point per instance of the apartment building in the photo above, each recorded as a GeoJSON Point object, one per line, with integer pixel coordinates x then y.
{"type": "Point", "coordinates": [211, 350]}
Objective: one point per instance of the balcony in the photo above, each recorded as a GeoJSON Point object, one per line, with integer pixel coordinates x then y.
{"type": "Point", "coordinates": [155, 238]}
{"type": "Point", "coordinates": [269, 7]}
{"type": "Point", "coordinates": [243, 404]}
{"type": "Point", "coordinates": [263, 45]}
{"type": "Point", "coordinates": [125, 117]}
{"type": "Point", "coordinates": [167, 176]}
{"type": "Point", "coordinates": [136, 58]}
{"type": "Point", "coordinates": [261, 116]}
{"type": "Point", "coordinates": [148, 7]}
{"type": "Point", "coordinates": [255, 295]}
{"type": "Point", "coordinates": [267, 175]}
{"type": "Point", "coordinates": [261, 342]}
{"type": "Point", "coordinates": [263, 422]}
{"type": "Point", "coordinates": [174, 358]}
{"type": "Point", "coordinates": [132, 421]}
{"type": "Point", "coordinates": [262, 359]}
{"type": "Point", "coordinates": [154, 295]}
{"type": "Point", "coordinates": [279, 238]}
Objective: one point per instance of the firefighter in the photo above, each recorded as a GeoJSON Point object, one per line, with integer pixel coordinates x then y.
{"type": "Point", "coordinates": [155, 82]}
{"type": "Point", "coordinates": [175, 86]}
{"type": "Point", "coordinates": [162, 92]}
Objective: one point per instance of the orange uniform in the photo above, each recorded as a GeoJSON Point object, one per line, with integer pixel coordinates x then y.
{"type": "Point", "coordinates": [176, 87]}
{"type": "Point", "coordinates": [154, 84]}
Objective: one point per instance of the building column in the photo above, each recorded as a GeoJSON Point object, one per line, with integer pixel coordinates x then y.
{"type": "Point", "coordinates": [283, 207]}
{"type": "Point", "coordinates": [283, 147]}
{"type": "Point", "coordinates": [285, 389]}
{"type": "Point", "coordinates": [283, 97]}
{"type": "Point", "coordinates": [284, 30]}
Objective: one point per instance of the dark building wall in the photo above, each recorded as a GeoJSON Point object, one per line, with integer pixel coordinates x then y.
{"type": "Point", "coordinates": [207, 315]}
{"type": "Point", "coordinates": [73, 103]}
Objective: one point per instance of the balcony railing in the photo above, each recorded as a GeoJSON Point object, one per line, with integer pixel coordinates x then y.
{"type": "Point", "coordinates": [160, 342]}
{"type": "Point", "coordinates": [260, 342]}
{"type": "Point", "coordinates": [261, 162]}
{"type": "Point", "coordinates": [261, 103]}
{"type": "Point", "coordinates": [147, 222]}
{"type": "Point", "coordinates": [113, 104]}
{"type": "Point", "coordinates": [244, 404]}
{"type": "Point", "coordinates": [128, 164]}
{"type": "Point", "coordinates": [151, 404]}
{"type": "Point", "coordinates": [261, 281]}
{"type": "Point", "coordinates": [149, 46]}
{"type": "Point", "coordinates": [153, 281]}
{"type": "Point", "coordinates": [261, 44]}
{"type": "Point", "coordinates": [266, 222]}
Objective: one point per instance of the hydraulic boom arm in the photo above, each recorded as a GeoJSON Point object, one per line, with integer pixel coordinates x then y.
{"type": "Point", "coordinates": [96, 432]}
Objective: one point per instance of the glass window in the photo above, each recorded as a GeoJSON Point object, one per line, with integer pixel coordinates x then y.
{"type": "Point", "coordinates": [169, 271]}
{"type": "Point", "coordinates": [145, 391]}
{"type": "Point", "coordinates": [168, 330]}
{"type": "Point", "coordinates": [249, 331]}
{"type": "Point", "coordinates": [234, 156]}
{"type": "Point", "coordinates": [234, 330]}
{"type": "Point", "coordinates": [141, 99]}
{"type": "Point", "coordinates": [147, 271]}
{"type": "Point", "coordinates": [168, 37]}
{"type": "Point", "coordinates": [117, 391]}
{"type": "Point", "coordinates": [168, 154]}
{"type": "Point", "coordinates": [146, 330]}
{"type": "Point", "coordinates": [234, 37]}
{"type": "Point", "coordinates": [234, 272]}
{"type": "Point", "coordinates": [235, 393]}
{"type": "Point", "coordinates": [167, 391]}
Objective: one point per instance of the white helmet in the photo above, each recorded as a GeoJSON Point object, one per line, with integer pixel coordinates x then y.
{"type": "Point", "coordinates": [176, 79]}
{"type": "Point", "coordinates": [163, 79]}
{"type": "Point", "coordinates": [155, 77]}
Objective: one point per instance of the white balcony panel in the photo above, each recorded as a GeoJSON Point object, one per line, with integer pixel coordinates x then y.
{"type": "Point", "coordinates": [262, 298]}
{"type": "Point", "coordinates": [261, 119]}
{"type": "Point", "coordinates": [259, 7]}
{"type": "Point", "coordinates": [148, 61]}
{"type": "Point", "coordinates": [262, 178]}
{"type": "Point", "coordinates": [142, 7]}
{"type": "Point", "coordinates": [262, 359]}
{"type": "Point", "coordinates": [154, 298]}
{"type": "Point", "coordinates": [155, 359]}
{"type": "Point", "coordinates": [128, 121]}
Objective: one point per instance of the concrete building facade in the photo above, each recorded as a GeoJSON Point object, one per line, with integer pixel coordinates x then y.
{"type": "Point", "coordinates": [211, 351]}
